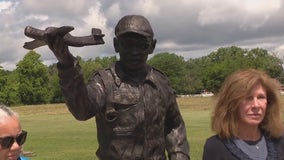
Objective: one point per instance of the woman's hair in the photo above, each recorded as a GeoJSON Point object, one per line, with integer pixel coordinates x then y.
{"type": "Point", "coordinates": [234, 90]}
{"type": "Point", "coordinates": [6, 112]}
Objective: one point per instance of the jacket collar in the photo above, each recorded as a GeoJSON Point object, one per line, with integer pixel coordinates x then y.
{"type": "Point", "coordinates": [119, 75]}
{"type": "Point", "coordinates": [237, 152]}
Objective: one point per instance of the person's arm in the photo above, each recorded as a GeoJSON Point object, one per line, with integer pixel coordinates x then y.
{"type": "Point", "coordinates": [83, 101]}
{"type": "Point", "coordinates": [176, 140]}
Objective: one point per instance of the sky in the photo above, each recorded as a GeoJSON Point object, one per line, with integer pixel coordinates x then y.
{"type": "Point", "coordinates": [189, 28]}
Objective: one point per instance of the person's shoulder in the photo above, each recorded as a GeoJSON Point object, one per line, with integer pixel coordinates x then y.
{"type": "Point", "coordinates": [161, 78]}
{"type": "Point", "coordinates": [281, 140]}
{"type": "Point", "coordinates": [281, 146]}
{"type": "Point", "coordinates": [23, 158]}
{"type": "Point", "coordinates": [159, 75]}
{"type": "Point", "coordinates": [214, 149]}
{"type": "Point", "coordinates": [212, 140]}
{"type": "Point", "coordinates": [214, 143]}
{"type": "Point", "coordinates": [105, 72]}
{"type": "Point", "coordinates": [158, 72]}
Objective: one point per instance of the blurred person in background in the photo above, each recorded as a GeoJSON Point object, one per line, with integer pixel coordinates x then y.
{"type": "Point", "coordinates": [247, 119]}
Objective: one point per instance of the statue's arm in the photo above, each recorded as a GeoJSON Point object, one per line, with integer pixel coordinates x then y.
{"type": "Point", "coordinates": [83, 100]}
{"type": "Point", "coordinates": [176, 139]}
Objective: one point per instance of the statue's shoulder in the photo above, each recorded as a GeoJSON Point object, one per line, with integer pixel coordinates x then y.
{"type": "Point", "coordinates": [162, 81]}
{"type": "Point", "coordinates": [105, 73]}
{"type": "Point", "coordinates": [159, 74]}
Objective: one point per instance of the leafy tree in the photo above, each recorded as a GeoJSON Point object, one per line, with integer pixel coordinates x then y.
{"type": "Point", "coordinates": [214, 68]}
{"type": "Point", "coordinates": [8, 88]}
{"type": "Point", "coordinates": [34, 83]}
{"type": "Point", "coordinates": [194, 84]}
{"type": "Point", "coordinates": [259, 58]}
{"type": "Point", "coordinates": [90, 66]}
{"type": "Point", "coordinates": [174, 68]}
{"type": "Point", "coordinates": [106, 61]}
{"type": "Point", "coordinates": [33, 79]}
{"type": "Point", "coordinates": [54, 87]}
{"type": "Point", "coordinates": [3, 86]}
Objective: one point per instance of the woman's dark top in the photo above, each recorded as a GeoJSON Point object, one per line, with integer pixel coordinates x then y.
{"type": "Point", "coordinates": [223, 149]}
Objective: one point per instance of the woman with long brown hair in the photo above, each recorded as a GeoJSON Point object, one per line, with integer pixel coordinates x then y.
{"type": "Point", "coordinates": [246, 119]}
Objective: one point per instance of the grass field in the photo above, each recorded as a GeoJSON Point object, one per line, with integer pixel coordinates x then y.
{"type": "Point", "coordinates": [53, 133]}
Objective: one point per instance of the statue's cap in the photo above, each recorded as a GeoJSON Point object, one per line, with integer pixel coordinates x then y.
{"type": "Point", "coordinates": [134, 23]}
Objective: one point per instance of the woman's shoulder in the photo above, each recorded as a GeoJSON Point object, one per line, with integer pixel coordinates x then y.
{"type": "Point", "coordinates": [215, 149]}
{"type": "Point", "coordinates": [281, 146]}
{"type": "Point", "coordinates": [213, 139]}
{"type": "Point", "coordinates": [214, 143]}
{"type": "Point", "coordinates": [23, 158]}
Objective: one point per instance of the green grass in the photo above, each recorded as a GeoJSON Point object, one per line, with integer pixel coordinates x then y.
{"type": "Point", "coordinates": [196, 114]}
{"type": "Point", "coordinates": [53, 133]}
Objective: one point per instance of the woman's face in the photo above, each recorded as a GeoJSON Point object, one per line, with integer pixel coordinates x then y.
{"type": "Point", "coordinates": [253, 108]}
{"type": "Point", "coordinates": [10, 127]}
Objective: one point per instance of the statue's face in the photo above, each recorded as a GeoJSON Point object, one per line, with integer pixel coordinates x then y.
{"type": "Point", "coordinates": [134, 49]}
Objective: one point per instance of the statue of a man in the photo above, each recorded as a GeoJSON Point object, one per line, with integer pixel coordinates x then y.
{"type": "Point", "coordinates": [136, 111]}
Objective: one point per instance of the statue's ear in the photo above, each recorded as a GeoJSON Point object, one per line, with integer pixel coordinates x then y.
{"type": "Point", "coordinates": [115, 44]}
{"type": "Point", "coordinates": [152, 47]}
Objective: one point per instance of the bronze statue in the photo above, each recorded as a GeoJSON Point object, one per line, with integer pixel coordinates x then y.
{"type": "Point", "coordinates": [136, 112]}
{"type": "Point", "coordinates": [42, 36]}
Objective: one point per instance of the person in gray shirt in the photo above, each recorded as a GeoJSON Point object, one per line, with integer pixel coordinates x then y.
{"type": "Point", "coordinates": [247, 119]}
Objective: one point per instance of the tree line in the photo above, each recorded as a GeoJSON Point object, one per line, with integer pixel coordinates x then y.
{"type": "Point", "coordinates": [32, 82]}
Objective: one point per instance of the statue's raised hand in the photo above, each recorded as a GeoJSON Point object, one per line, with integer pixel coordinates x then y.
{"type": "Point", "coordinates": [58, 40]}
{"type": "Point", "coordinates": [57, 44]}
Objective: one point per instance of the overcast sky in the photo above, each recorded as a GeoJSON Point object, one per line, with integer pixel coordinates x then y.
{"type": "Point", "coordinates": [190, 28]}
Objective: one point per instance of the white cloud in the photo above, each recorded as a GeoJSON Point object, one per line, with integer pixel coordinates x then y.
{"type": "Point", "coordinates": [258, 12]}
{"type": "Point", "coordinates": [94, 17]}
{"type": "Point", "coordinates": [247, 14]}
{"type": "Point", "coordinates": [219, 11]}
{"type": "Point", "coordinates": [279, 51]}
{"type": "Point", "coordinates": [147, 7]}
{"type": "Point", "coordinates": [5, 5]}
{"type": "Point", "coordinates": [37, 17]}
{"type": "Point", "coordinates": [261, 6]}
{"type": "Point", "coordinates": [114, 10]}
{"type": "Point", "coordinates": [190, 28]}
